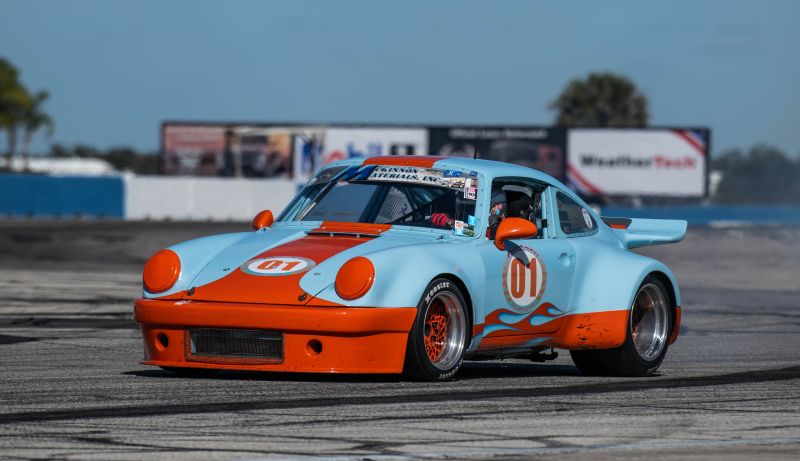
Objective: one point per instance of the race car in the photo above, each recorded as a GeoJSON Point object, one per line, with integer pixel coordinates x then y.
{"type": "Point", "coordinates": [413, 264]}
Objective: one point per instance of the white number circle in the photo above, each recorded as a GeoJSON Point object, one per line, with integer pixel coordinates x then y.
{"type": "Point", "coordinates": [277, 265]}
{"type": "Point", "coordinates": [523, 284]}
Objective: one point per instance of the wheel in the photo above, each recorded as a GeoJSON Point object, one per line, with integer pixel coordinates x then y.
{"type": "Point", "coordinates": [439, 336]}
{"type": "Point", "coordinates": [645, 346]}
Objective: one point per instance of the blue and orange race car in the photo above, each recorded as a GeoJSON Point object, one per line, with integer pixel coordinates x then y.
{"type": "Point", "coordinates": [415, 264]}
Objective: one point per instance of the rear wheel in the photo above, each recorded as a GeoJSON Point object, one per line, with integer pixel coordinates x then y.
{"type": "Point", "coordinates": [645, 345]}
{"type": "Point", "coordinates": [439, 336]}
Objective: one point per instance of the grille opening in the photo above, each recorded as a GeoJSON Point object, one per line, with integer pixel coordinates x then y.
{"type": "Point", "coordinates": [225, 345]}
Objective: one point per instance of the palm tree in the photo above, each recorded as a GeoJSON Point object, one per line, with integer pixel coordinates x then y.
{"type": "Point", "coordinates": [601, 100]}
{"type": "Point", "coordinates": [13, 101]}
{"type": "Point", "coordinates": [34, 118]}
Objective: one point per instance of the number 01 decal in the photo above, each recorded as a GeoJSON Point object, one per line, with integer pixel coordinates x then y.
{"type": "Point", "coordinates": [277, 265]}
{"type": "Point", "coordinates": [523, 284]}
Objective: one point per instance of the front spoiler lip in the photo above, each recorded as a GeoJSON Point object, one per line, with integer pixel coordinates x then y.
{"type": "Point", "coordinates": [355, 339]}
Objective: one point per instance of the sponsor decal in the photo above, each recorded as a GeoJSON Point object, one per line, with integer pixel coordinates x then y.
{"type": "Point", "coordinates": [325, 175]}
{"type": "Point", "coordinates": [452, 174]}
{"type": "Point", "coordinates": [587, 218]}
{"type": "Point", "coordinates": [277, 265]}
{"type": "Point", "coordinates": [524, 279]}
{"type": "Point", "coordinates": [458, 227]}
{"type": "Point", "coordinates": [471, 193]}
{"type": "Point", "coordinates": [406, 174]}
{"type": "Point", "coordinates": [416, 175]}
{"type": "Point", "coordinates": [474, 174]}
{"type": "Point", "coordinates": [453, 183]}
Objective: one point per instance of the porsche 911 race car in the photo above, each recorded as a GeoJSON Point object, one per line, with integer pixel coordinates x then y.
{"type": "Point", "coordinates": [415, 264]}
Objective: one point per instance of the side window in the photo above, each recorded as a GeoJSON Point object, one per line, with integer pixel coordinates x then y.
{"type": "Point", "coordinates": [573, 218]}
{"type": "Point", "coordinates": [515, 198]}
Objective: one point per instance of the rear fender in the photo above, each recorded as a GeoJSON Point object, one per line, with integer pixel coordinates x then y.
{"type": "Point", "coordinates": [609, 279]}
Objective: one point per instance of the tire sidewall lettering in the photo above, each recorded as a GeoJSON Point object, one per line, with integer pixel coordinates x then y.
{"type": "Point", "coordinates": [435, 289]}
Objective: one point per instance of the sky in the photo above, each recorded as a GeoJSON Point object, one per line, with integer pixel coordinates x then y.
{"type": "Point", "coordinates": [116, 69]}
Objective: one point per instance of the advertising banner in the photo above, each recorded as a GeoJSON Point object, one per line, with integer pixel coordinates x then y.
{"type": "Point", "coordinates": [259, 151]}
{"type": "Point", "coordinates": [536, 147]}
{"type": "Point", "coordinates": [193, 149]}
{"type": "Point", "coordinates": [641, 162]}
{"type": "Point", "coordinates": [342, 143]}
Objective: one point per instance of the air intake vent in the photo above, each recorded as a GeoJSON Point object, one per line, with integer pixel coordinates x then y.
{"type": "Point", "coordinates": [240, 346]}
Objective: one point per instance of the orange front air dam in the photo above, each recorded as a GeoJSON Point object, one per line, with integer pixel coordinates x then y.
{"type": "Point", "coordinates": [352, 339]}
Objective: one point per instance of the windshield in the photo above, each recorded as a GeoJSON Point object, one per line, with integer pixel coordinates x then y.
{"type": "Point", "coordinates": [410, 196]}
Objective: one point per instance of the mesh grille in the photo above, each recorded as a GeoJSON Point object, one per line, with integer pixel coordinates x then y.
{"type": "Point", "coordinates": [213, 344]}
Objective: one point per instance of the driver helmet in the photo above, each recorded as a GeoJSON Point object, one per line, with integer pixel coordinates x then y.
{"type": "Point", "coordinates": [498, 198]}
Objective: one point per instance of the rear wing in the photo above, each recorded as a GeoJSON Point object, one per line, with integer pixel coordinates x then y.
{"type": "Point", "coordinates": [637, 232]}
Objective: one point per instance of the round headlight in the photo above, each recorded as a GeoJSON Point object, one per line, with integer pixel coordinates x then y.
{"type": "Point", "coordinates": [355, 278]}
{"type": "Point", "coordinates": [161, 271]}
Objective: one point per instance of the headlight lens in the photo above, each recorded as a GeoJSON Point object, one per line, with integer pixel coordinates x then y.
{"type": "Point", "coordinates": [161, 271]}
{"type": "Point", "coordinates": [355, 278]}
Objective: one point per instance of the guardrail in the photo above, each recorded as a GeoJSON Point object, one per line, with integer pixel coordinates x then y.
{"type": "Point", "coordinates": [61, 196]}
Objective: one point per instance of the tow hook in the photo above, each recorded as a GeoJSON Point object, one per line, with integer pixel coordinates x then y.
{"type": "Point", "coordinates": [543, 355]}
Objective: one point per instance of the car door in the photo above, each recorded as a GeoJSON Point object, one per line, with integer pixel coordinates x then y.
{"type": "Point", "coordinates": [529, 284]}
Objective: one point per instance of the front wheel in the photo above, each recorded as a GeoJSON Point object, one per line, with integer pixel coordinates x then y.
{"type": "Point", "coordinates": [439, 336]}
{"type": "Point", "coordinates": [649, 324]}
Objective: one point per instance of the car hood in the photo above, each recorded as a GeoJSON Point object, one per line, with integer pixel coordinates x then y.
{"type": "Point", "coordinates": [288, 266]}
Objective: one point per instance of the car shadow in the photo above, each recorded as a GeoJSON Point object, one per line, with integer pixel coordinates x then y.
{"type": "Point", "coordinates": [469, 371]}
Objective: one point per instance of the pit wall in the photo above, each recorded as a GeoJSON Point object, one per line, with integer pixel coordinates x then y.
{"type": "Point", "coordinates": [141, 197]}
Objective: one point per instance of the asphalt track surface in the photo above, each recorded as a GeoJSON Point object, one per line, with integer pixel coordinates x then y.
{"type": "Point", "coordinates": [71, 386]}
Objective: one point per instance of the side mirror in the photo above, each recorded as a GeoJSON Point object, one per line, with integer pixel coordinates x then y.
{"type": "Point", "coordinates": [263, 219]}
{"type": "Point", "coordinates": [513, 228]}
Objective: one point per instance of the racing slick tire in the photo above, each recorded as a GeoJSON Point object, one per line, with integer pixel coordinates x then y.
{"type": "Point", "coordinates": [588, 362]}
{"type": "Point", "coordinates": [438, 338]}
{"type": "Point", "coordinates": [649, 324]}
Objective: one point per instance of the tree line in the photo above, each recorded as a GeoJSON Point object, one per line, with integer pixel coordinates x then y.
{"type": "Point", "coordinates": [21, 111]}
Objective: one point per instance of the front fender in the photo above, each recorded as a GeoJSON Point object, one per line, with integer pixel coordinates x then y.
{"type": "Point", "coordinates": [194, 256]}
{"type": "Point", "coordinates": [402, 273]}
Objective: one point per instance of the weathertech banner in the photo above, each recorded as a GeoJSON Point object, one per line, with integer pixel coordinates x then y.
{"type": "Point", "coordinates": [646, 162]}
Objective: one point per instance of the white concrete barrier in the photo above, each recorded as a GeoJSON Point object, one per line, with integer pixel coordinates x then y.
{"type": "Point", "coordinates": [203, 199]}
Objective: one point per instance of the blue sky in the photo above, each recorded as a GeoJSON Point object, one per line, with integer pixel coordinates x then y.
{"type": "Point", "coordinates": [117, 69]}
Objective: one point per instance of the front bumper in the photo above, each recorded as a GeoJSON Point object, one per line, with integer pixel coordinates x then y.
{"type": "Point", "coordinates": [352, 339]}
